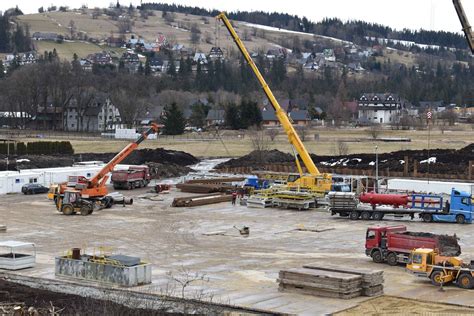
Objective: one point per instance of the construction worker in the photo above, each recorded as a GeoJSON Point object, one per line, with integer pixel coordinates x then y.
{"type": "Point", "coordinates": [234, 197]}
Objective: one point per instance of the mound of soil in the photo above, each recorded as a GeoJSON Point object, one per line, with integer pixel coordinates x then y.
{"type": "Point", "coordinates": [43, 302]}
{"type": "Point", "coordinates": [258, 158]}
{"type": "Point", "coordinates": [142, 156]}
{"type": "Point", "coordinates": [447, 160]}
{"type": "Point", "coordinates": [172, 163]}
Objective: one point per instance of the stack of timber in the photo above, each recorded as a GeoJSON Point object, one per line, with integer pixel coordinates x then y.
{"type": "Point", "coordinates": [342, 200]}
{"type": "Point", "coordinates": [372, 280]}
{"type": "Point", "coordinates": [209, 185]}
{"type": "Point", "coordinates": [335, 282]}
{"type": "Point", "coordinates": [204, 188]}
{"type": "Point", "coordinates": [198, 200]}
{"type": "Point", "coordinates": [320, 283]}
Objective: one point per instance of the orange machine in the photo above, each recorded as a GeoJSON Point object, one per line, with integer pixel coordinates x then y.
{"type": "Point", "coordinates": [95, 189]}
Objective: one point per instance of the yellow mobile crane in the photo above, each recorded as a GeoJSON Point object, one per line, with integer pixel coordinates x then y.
{"type": "Point", "coordinates": [315, 181]}
{"type": "Point", "coordinates": [466, 27]}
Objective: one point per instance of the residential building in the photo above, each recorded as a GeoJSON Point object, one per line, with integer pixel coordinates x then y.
{"type": "Point", "coordinates": [215, 117]}
{"type": "Point", "coordinates": [48, 118]}
{"type": "Point", "coordinates": [435, 106]}
{"type": "Point", "coordinates": [216, 53]}
{"type": "Point", "coordinates": [115, 41]}
{"type": "Point", "coordinates": [99, 115]}
{"type": "Point", "coordinates": [130, 61]}
{"type": "Point", "coordinates": [268, 117]}
{"type": "Point", "coordinates": [200, 58]}
{"type": "Point", "coordinates": [86, 64]}
{"type": "Point", "coordinates": [45, 36]}
{"type": "Point", "coordinates": [102, 58]}
{"type": "Point", "coordinates": [379, 108]}
{"type": "Point", "coordinates": [153, 113]}
{"type": "Point", "coordinates": [299, 117]}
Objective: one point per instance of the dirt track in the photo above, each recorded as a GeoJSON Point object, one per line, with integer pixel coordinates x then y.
{"type": "Point", "coordinates": [390, 305]}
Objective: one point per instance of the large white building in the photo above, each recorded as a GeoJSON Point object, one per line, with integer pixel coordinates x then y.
{"type": "Point", "coordinates": [379, 108]}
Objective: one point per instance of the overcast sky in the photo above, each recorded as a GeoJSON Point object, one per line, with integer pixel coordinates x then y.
{"type": "Point", "coordinates": [413, 14]}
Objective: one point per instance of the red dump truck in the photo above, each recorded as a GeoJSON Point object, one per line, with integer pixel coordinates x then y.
{"type": "Point", "coordinates": [134, 177]}
{"type": "Point", "coordinates": [393, 244]}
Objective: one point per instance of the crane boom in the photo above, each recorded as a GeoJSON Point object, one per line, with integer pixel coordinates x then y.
{"type": "Point", "coordinates": [98, 179]}
{"type": "Point", "coordinates": [280, 114]}
{"type": "Point", "coordinates": [466, 27]}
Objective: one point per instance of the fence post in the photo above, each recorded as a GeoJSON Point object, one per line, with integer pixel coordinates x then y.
{"type": "Point", "coordinates": [405, 167]}
{"type": "Point", "coordinates": [471, 166]}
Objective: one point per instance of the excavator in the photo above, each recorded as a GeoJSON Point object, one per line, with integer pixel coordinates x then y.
{"type": "Point", "coordinates": [82, 195]}
{"type": "Point", "coordinates": [314, 181]}
{"type": "Point", "coordinates": [466, 27]}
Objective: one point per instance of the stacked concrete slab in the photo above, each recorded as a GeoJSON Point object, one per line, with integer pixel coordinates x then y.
{"type": "Point", "coordinates": [332, 281]}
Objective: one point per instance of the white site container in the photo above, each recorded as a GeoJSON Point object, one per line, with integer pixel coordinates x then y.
{"type": "Point", "coordinates": [12, 259]}
{"type": "Point", "coordinates": [436, 187]}
{"type": "Point", "coordinates": [12, 181]}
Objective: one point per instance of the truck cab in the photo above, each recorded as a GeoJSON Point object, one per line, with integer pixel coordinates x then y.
{"type": "Point", "coordinates": [256, 183]}
{"type": "Point", "coordinates": [459, 209]}
{"type": "Point", "coordinates": [376, 237]}
{"type": "Point", "coordinates": [421, 261]}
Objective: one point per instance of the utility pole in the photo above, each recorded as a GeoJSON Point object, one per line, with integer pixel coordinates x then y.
{"type": "Point", "coordinates": [8, 152]}
{"type": "Point", "coordinates": [376, 186]}
{"type": "Point", "coordinates": [429, 114]}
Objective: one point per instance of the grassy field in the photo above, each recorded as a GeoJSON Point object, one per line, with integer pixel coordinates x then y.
{"type": "Point", "coordinates": [357, 141]}
{"type": "Point", "coordinates": [67, 49]}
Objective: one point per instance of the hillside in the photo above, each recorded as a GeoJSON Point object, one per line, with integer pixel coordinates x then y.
{"type": "Point", "coordinates": [256, 37]}
{"type": "Point", "coordinates": [148, 29]}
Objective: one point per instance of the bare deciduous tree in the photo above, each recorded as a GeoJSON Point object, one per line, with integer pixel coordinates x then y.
{"type": "Point", "coordinates": [195, 36]}
{"type": "Point", "coordinates": [374, 131]}
{"type": "Point", "coordinates": [342, 148]}
{"type": "Point", "coordinates": [302, 131]}
{"type": "Point", "coordinates": [272, 133]}
{"type": "Point", "coordinates": [124, 25]}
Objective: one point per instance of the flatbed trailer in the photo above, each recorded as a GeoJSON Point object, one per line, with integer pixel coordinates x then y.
{"type": "Point", "coordinates": [429, 208]}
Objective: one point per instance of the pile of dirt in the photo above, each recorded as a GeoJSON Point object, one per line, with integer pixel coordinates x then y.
{"type": "Point", "coordinates": [143, 156]}
{"type": "Point", "coordinates": [164, 171]}
{"type": "Point", "coordinates": [45, 302]}
{"type": "Point", "coordinates": [258, 158]}
{"type": "Point", "coordinates": [439, 160]}
{"type": "Point", "coordinates": [171, 163]}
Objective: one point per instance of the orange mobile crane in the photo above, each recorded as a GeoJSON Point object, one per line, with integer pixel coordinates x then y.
{"type": "Point", "coordinates": [466, 27]}
{"type": "Point", "coordinates": [82, 195]}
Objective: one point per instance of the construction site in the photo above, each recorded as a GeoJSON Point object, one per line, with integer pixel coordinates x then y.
{"type": "Point", "coordinates": [158, 231]}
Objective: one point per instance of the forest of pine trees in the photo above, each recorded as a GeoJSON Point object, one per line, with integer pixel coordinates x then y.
{"type": "Point", "coordinates": [352, 30]}
{"type": "Point", "coordinates": [13, 37]}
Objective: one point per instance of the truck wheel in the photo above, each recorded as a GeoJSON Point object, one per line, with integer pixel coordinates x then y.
{"type": "Point", "coordinates": [460, 219]}
{"type": "Point", "coordinates": [377, 256]}
{"type": "Point", "coordinates": [354, 215]}
{"type": "Point", "coordinates": [365, 216]}
{"type": "Point", "coordinates": [377, 216]}
{"type": "Point", "coordinates": [427, 218]}
{"type": "Point", "coordinates": [392, 259]}
{"type": "Point", "coordinates": [67, 209]}
{"type": "Point", "coordinates": [85, 210]}
{"type": "Point", "coordinates": [465, 281]}
{"type": "Point", "coordinates": [436, 277]}
{"type": "Point", "coordinates": [129, 186]}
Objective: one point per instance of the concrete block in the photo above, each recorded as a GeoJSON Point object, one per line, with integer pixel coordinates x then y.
{"type": "Point", "coordinates": [104, 273]}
